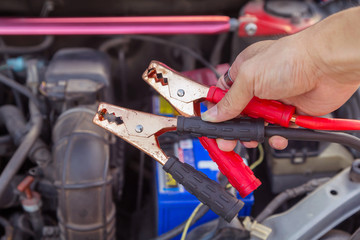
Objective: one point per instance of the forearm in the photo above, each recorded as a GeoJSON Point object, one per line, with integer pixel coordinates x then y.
{"type": "Point", "coordinates": [335, 44]}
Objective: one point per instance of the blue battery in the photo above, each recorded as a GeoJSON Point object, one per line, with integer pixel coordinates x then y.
{"type": "Point", "coordinates": [175, 204]}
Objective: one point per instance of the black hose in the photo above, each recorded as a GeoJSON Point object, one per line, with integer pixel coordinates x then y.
{"type": "Point", "coordinates": [9, 230]}
{"type": "Point", "coordinates": [20, 154]}
{"type": "Point", "coordinates": [355, 235]}
{"type": "Point", "coordinates": [17, 97]}
{"type": "Point", "coordinates": [124, 90]}
{"type": "Point", "coordinates": [336, 234]}
{"type": "Point", "coordinates": [45, 44]}
{"type": "Point", "coordinates": [117, 41]}
{"type": "Point", "coordinates": [5, 139]}
{"type": "Point", "coordinates": [311, 135]}
{"type": "Point", "coordinates": [215, 57]}
{"type": "Point", "coordinates": [289, 194]}
{"type": "Point", "coordinates": [140, 181]}
{"type": "Point", "coordinates": [20, 88]}
{"type": "Point", "coordinates": [178, 229]}
{"type": "Point", "coordinates": [15, 123]}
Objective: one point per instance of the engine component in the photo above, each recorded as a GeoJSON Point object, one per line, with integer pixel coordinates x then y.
{"type": "Point", "coordinates": [319, 212]}
{"type": "Point", "coordinates": [355, 171]}
{"type": "Point", "coordinates": [15, 123]}
{"type": "Point", "coordinates": [31, 204]}
{"type": "Point", "coordinates": [301, 162]}
{"type": "Point", "coordinates": [264, 18]}
{"type": "Point", "coordinates": [76, 74]}
{"type": "Point", "coordinates": [83, 179]}
{"type": "Point", "coordinates": [288, 194]}
{"type": "Point", "coordinates": [9, 197]}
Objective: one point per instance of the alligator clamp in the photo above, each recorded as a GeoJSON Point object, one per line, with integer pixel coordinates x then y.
{"type": "Point", "coordinates": [185, 95]}
{"type": "Point", "coordinates": [142, 130]}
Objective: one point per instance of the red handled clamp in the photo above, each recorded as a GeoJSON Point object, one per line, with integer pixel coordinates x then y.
{"type": "Point", "coordinates": [184, 95]}
{"type": "Point", "coordinates": [142, 130]}
{"type": "Point", "coordinates": [183, 92]}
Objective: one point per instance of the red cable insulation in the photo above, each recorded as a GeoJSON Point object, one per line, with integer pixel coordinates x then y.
{"type": "Point", "coordinates": [329, 124]}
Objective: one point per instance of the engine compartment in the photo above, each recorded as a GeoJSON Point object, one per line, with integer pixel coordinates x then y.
{"type": "Point", "coordinates": [62, 177]}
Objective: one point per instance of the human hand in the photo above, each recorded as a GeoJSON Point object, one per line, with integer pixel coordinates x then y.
{"type": "Point", "coordinates": [292, 70]}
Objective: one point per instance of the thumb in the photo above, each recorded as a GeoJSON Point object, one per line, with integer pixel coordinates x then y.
{"type": "Point", "coordinates": [231, 105]}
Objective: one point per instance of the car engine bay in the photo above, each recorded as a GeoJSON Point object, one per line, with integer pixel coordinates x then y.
{"type": "Point", "coordinates": [63, 177]}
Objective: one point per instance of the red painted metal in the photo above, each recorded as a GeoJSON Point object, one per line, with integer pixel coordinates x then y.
{"type": "Point", "coordinates": [268, 24]}
{"type": "Point", "coordinates": [115, 25]}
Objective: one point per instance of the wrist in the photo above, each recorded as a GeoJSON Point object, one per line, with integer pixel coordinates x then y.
{"type": "Point", "coordinates": [333, 45]}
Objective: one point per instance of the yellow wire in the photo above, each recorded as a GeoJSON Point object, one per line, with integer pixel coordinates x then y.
{"type": "Point", "coordinates": [252, 167]}
{"type": "Point", "coordinates": [260, 159]}
{"type": "Point", "coordinates": [187, 225]}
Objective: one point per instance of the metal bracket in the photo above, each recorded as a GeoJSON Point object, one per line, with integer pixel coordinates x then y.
{"type": "Point", "coordinates": [319, 212]}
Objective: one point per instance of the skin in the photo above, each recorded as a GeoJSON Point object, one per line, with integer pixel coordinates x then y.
{"type": "Point", "coordinates": [316, 70]}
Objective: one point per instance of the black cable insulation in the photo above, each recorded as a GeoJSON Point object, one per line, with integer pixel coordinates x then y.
{"type": "Point", "coordinates": [117, 41]}
{"type": "Point", "coordinates": [17, 50]}
{"type": "Point", "coordinates": [178, 229]}
{"type": "Point", "coordinates": [311, 135]}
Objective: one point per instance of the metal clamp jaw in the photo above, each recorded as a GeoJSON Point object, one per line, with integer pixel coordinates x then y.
{"type": "Point", "coordinates": [137, 128]}
{"type": "Point", "coordinates": [182, 93]}
{"type": "Point", "coordinates": [141, 130]}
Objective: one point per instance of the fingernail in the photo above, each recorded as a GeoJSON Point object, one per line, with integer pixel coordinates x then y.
{"type": "Point", "coordinates": [210, 115]}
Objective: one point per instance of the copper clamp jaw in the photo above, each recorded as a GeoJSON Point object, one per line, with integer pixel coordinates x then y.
{"type": "Point", "coordinates": [141, 130]}
{"type": "Point", "coordinates": [137, 128]}
{"type": "Point", "coordinates": [181, 92]}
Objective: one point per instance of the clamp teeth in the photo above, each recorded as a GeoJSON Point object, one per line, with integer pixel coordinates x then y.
{"type": "Point", "coordinates": [157, 76]}
{"type": "Point", "coordinates": [110, 117]}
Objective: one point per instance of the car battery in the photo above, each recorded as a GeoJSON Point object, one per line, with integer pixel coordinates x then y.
{"type": "Point", "coordinates": [174, 203]}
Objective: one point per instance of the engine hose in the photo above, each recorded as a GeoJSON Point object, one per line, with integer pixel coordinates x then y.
{"type": "Point", "coordinates": [45, 44]}
{"type": "Point", "coordinates": [9, 230]}
{"type": "Point", "coordinates": [289, 194]}
{"type": "Point", "coordinates": [5, 139]}
{"type": "Point", "coordinates": [15, 123]}
{"type": "Point", "coordinates": [22, 151]}
{"type": "Point", "coordinates": [113, 42]}
{"type": "Point", "coordinates": [355, 235]}
{"type": "Point", "coordinates": [336, 234]}
{"type": "Point", "coordinates": [83, 180]}
{"type": "Point", "coordinates": [19, 88]}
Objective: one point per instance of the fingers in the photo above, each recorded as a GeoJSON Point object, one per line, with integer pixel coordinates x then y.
{"type": "Point", "coordinates": [241, 91]}
{"type": "Point", "coordinates": [251, 144]}
{"type": "Point", "coordinates": [226, 145]}
{"type": "Point", "coordinates": [232, 104]}
{"type": "Point", "coordinates": [278, 142]}
{"type": "Point", "coordinates": [221, 83]}
{"type": "Point", "coordinates": [275, 142]}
